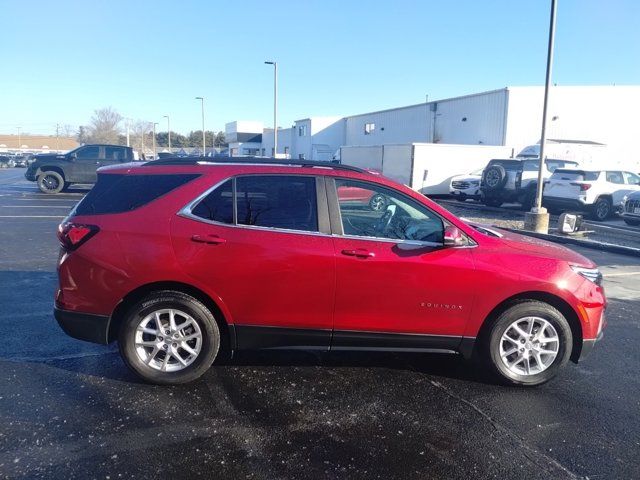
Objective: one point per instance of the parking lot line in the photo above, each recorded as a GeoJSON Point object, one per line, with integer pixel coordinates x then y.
{"type": "Point", "coordinates": [621, 274]}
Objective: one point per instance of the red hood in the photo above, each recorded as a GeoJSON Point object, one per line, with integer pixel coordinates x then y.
{"type": "Point", "coordinates": [542, 248]}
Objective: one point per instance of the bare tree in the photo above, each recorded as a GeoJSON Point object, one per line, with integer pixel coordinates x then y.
{"type": "Point", "coordinates": [104, 126]}
{"type": "Point", "coordinates": [67, 130]}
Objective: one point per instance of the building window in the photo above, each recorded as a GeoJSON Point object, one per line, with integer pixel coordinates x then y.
{"type": "Point", "coordinates": [263, 152]}
{"type": "Point", "coordinates": [302, 131]}
{"type": "Point", "coordinates": [286, 150]}
{"type": "Point", "coordinates": [301, 156]}
{"type": "Point", "coordinates": [250, 151]}
{"type": "Point", "coordinates": [369, 128]}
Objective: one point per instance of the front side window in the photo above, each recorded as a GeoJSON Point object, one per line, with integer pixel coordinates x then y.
{"type": "Point", "coordinates": [89, 153]}
{"type": "Point", "coordinates": [272, 201]}
{"type": "Point", "coordinates": [369, 210]}
{"type": "Point", "coordinates": [631, 178]}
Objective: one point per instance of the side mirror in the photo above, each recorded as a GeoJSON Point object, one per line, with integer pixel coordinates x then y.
{"type": "Point", "coordinates": [453, 237]}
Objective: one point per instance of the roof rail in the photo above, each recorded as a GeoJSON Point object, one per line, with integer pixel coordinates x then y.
{"type": "Point", "coordinates": [252, 161]}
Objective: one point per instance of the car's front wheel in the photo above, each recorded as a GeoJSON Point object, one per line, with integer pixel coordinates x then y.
{"type": "Point", "coordinates": [602, 209]}
{"type": "Point", "coordinates": [169, 338]}
{"type": "Point", "coordinates": [528, 343]}
{"type": "Point", "coordinates": [50, 182]}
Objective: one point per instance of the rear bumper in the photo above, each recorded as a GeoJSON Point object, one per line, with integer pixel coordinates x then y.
{"type": "Point", "coordinates": [83, 326]}
{"type": "Point", "coordinates": [561, 202]}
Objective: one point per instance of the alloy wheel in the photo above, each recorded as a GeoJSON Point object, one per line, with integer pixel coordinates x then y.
{"type": "Point", "coordinates": [168, 340]}
{"type": "Point", "coordinates": [529, 346]}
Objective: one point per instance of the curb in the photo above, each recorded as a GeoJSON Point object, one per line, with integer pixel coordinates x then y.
{"type": "Point", "coordinates": [602, 246]}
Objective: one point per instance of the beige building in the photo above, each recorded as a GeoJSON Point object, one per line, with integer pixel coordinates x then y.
{"type": "Point", "coordinates": [36, 143]}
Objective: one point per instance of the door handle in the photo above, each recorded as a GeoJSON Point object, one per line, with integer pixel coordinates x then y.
{"type": "Point", "coordinates": [359, 252]}
{"type": "Point", "coordinates": [209, 239]}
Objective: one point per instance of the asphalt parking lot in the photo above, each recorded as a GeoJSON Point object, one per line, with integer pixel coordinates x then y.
{"type": "Point", "coordinates": [70, 409]}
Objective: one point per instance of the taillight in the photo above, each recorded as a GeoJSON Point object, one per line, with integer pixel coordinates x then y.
{"type": "Point", "coordinates": [72, 235]}
{"type": "Point", "coordinates": [583, 186]}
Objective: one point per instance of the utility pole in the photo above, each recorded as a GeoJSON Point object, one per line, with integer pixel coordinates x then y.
{"type": "Point", "coordinates": [154, 141]}
{"type": "Point", "coordinates": [275, 107]}
{"type": "Point", "coordinates": [57, 136]}
{"type": "Point", "coordinates": [204, 144]}
{"type": "Point", "coordinates": [19, 139]}
{"type": "Point", "coordinates": [168, 131]}
{"type": "Point", "coordinates": [127, 123]}
{"type": "Point", "coordinates": [538, 218]}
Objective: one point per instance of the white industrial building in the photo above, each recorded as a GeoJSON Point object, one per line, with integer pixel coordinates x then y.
{"type": "Point", "coordinates": [510, 117]}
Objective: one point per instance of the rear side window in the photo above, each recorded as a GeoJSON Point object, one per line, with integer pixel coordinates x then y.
{"type": "Point", "coordinates": [273, 201]}
{"type": "Point", "coordinates": [116, 193]}
{"type": "Point", "coordinates": [287, 202]}
{"type": "Point", "coordinates": [115, 153]}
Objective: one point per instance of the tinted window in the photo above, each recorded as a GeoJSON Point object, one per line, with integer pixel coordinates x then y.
{"type": "Point", "coordinates": [115, 153]}
{"type": "Point", "coordinates": [368, 210]}
{"type": "Point", "coordinates": [575, 175]}
{"type": "Point", "coordinates": [631, 178]}
{"type": "Point", "coordinates": [218, 205]}
{"type": "Point", "coordinates": [615, 177]}
{"type": "Point", "coordinates": [122, 193]}
{"type": "Point", "coordinates": [530, 165]}
{"type": "Point", "coordinates": [89, 153]}
{"type": "Point", "coordinates": [277, 201]}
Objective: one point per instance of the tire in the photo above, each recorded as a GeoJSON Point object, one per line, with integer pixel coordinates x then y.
{"type": "Point", "coordinates": [523, 314]}
{"type": "Point", "coordinates": [492, 202]}
{"type": "Point", "coordinates": [50, 182]}
{"type": "Point", "coordinates": [378, 202]}
{"type": "Point", "coordinates": [632, 223]}
{"type": "Point", "coordinates": [150, 361]}
{"type": "Point", "coordinates": [66, 186]}
{"type": "Point", "coordinates": [602, 209]}
{"type": "Point", "coordinates": [495, 177]}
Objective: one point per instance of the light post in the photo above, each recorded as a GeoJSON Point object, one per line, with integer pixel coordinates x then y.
{"type": "Point", "coordinates": [154, 140]}
{"type": "Point", "coordinates": [275, 107]}
{"type": "Point", "coordinates": [19, 139]}
{"type": "Point", "coordinates": [168, 131]}
{"type": "Point", "coordinates": [538, 219]}
{"type": "Point", "coordinates": [128, 124]}
{"type": "Point", "coordinates": [204, 144]}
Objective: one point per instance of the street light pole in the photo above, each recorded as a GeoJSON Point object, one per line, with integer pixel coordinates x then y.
{"type": "Point", "coordinates": [204, 144]}
{"type": "Point", "coordinates": [168, 131]}
{"type": "Point", "coordinates": [19, 139]}
{"type": "Point", "coordinates": [154, 140]}
{"type": "Point", "coordinates": [275, 107]}
{"type": "Point", "coordinates": [538, 219]}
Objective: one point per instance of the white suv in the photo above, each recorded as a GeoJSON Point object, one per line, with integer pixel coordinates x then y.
{"type": "Point", "coordinates": [598, 192]}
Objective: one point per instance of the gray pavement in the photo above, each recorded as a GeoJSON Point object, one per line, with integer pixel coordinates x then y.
{"type": "Point", "coordinates": [70, 409]}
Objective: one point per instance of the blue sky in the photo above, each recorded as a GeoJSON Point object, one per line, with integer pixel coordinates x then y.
{"type": "Point", "coordinates": [63, 59]}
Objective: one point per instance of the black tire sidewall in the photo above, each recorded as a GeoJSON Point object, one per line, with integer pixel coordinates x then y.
{"type": "Point", "coordinates": [58, 177]}
{"type": "Point", "coordinates": [521, 310]}
{"type": "Point", "coordinates": [187, 304]}
{"type": "Point", "coordinates": [502, 175]}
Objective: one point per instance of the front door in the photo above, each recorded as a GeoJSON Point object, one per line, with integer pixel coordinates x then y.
{"type": "Point", "coordinates": [269, 261]}
{"type": "Point", "coordinates": [84, 166]}
{"type": "Point", "coordinates": [396, 286]}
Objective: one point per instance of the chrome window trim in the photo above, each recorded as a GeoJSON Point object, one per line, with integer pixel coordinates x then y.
{"type": "Point", "coordinates": [186, 211]}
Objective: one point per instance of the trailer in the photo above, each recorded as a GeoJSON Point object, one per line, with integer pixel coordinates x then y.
{"type": "Point", "coordinates": [425, 167]}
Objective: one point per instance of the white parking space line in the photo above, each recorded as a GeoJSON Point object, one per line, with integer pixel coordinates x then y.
{"type": "Point", "coordinates": [621, 274]}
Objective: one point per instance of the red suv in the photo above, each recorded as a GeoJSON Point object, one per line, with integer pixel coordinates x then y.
{"type": "Point", "coordinates": [178, 259]}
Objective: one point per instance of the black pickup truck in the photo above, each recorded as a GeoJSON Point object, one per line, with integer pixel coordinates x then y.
{"type": "Point", "coordinates": [55, 172]}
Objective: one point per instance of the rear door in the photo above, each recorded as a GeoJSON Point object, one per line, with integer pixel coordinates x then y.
{"type": "Point", "coordinates": [396, 286]}
{"type": "Point", "coordinates": [268, 257]}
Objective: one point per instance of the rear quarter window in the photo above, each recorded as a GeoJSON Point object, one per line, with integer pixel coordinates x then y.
{"type": "Point", "coordinates": [116, 193]}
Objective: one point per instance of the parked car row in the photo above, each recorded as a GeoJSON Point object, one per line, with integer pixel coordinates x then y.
{"type": "Point", "coordinates": [598, 193]}
{"type": "Point", "coordinates": [10, 160]}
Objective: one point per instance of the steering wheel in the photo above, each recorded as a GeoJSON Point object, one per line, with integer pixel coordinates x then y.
{"type": "Point", "coordinates": [385, 220]}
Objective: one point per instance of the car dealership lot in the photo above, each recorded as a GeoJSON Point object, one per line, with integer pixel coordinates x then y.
{"type": "Point", "coordinates": [72, 409]}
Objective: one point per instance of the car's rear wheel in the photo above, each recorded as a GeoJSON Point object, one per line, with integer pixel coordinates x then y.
{"type": "Point", "coordinates": [528, 343]}
{"type": "Point", "coordinates": [602, 209]}
{"type": "Point", "coordinates": [50, 182]}
{"type": "Point", "coordinates": [169, 338]}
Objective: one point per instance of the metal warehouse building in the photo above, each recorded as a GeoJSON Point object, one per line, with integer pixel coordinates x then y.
{"type": "Point", "coordinates": [510, 116]}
